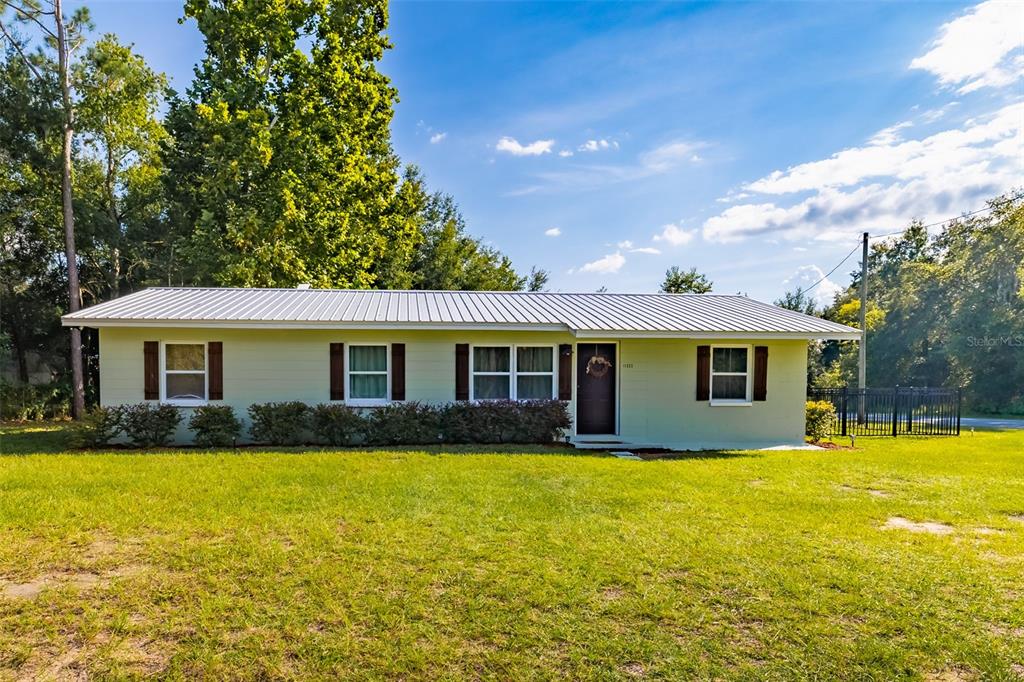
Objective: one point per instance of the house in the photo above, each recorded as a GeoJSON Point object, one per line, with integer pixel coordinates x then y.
{"type": "Point", "coordinates": [669, 370]}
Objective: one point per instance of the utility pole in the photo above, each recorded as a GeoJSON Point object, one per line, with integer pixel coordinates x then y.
{"type": "Point", "coordinates": [862, 364]}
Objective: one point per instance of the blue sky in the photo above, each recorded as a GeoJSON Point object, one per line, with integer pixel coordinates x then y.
{"type": "Point", "coordinates": [606, 142]}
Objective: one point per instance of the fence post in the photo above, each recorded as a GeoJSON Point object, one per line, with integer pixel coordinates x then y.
{"type": "Point", "coordinates": [895, 410]}
{"type": "Point", "coordinates": [846, 392]}
{"type": "Point", "coordinates": [958, 398]}
{"type": "Point", "coordinates": [911, 406]}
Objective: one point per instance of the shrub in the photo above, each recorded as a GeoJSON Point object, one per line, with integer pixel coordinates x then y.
{"type": "Point", "coordinates": [821, 416]}
{"type": "Point", "coordinates": [97, 427]}
{"type": "Point", "coordinates": [337, 424]}
{"type": "Point", "coordinates": [148, 425]}
{"type": "Point", "coordinates": [24, 402]}
{"type": "Point", "coordinates": [279, 423]}
{"type": "Point", "coordinates": [215, 426]}
{"type": "Point", "coordinates": [404, 423]}
{"type": "Point", "coordinates": [505, 421]}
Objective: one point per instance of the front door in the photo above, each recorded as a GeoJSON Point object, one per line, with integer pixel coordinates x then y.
{"type": "Point", "coordinates": [595, 388]}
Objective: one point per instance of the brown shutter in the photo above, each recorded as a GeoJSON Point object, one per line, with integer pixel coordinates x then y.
{"type": "Point", "coordinates": [398, 371]}
{"type": "Point", "coordinates": [151, 370]}
{"type": "Point", "coordinates": [565, 371]}
{"type": "Point", "coordinates": [337, 371]}
{"type": "Point", "coordinates": [760, 372]}
{"type": "Point", "coordinates": [462, 371]}
{"type": "Point", "coordinates": [703, 372]}
{"type": "Point", "coordinates": [215, 357]}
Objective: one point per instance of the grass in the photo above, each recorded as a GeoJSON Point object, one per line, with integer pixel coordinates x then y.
{"type": "Point", "coordinates": [507, 565]}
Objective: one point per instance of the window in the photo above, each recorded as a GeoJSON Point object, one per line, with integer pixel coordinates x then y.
{"type": "Point", "coordinates": [185, 373]}
{"type": "Point", "coordinates": [492, 372]}
{"type": "Point", "coordinates": [535, 373]}
{"type": "Point", "coordinates": [368, 374]}
{"type": "Point", "coordinates": [513, 373]}
{"type": "Point", "coordinates": [730, 370]}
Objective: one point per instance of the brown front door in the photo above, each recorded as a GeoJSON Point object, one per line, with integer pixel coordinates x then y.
{"type": "Point", "coordinates": [595, 388]}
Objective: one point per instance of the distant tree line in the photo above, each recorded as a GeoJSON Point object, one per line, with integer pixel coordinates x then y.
{"type": "Point", "coordinates": [945, 309]}
{"type": "Point", "coordinates": [274, 168]}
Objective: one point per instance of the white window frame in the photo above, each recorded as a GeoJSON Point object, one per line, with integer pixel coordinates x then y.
{"type": "Point", "coordinates": [367, 402]}
{"type": "Point", "coordinates": [179, 402]}
{"type": "Point", "coordinates": [747, 375]}
{"type": "Point", "coordinates": [553, 373]}
{"type": "Point", "coordinates": [513, 369]}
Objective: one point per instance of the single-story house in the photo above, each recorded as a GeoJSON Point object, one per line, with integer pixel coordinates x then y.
{"type": "Point", "coordinates": [640, 370]}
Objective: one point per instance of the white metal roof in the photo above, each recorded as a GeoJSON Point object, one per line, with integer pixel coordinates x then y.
{"type": "Point", "coordinates": [592, 314]}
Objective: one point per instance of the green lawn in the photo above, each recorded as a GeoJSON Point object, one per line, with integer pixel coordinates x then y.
{"type": "Point", "coordinates": [529, 563]}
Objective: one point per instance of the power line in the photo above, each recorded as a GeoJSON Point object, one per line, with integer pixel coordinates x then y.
{"type": "Point", "coordinates": [962, 215]}
{"type": "Point", "coordinates": [991, 207]}
{"type": "Point", "coordinates": [833, 269]}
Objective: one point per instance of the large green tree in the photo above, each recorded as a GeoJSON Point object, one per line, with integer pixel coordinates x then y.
{"type": "Point", "coordinates": [114, 174]}
{"type": "Point", "coordinates": [280, 167]}
{"type": "Point", "coordinates": [121, 137]}
{"type": "Point", "coordinates": [678, 281]}
{"type": "Point", "coordinates": [943, 310]}
{"type": "Point", "coordinates": [447, 258]}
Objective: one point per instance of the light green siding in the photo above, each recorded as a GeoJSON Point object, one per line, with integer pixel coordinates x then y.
{"type": "Point", "coordinates": [656, 401]}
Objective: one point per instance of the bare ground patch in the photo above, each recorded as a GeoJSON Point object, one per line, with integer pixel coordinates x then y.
{"type": "Point", "coordinates": [956, 674]}
{"type": "Point", "coordinates": [933, 527]}
{"type": "Point", "coordinates": [142, 656]}
{"type": "Point", "coordinates": [634, 670]}
{"type": "Point", "coordinates": [612, 592]}
{"type": "Point", "coordinates": [874, 492]}
{"type": "Point", "coordinates": [82, 580]}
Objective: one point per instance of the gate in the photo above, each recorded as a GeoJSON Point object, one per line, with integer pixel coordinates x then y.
{"type": "Point", "coordinates": [893, 411]}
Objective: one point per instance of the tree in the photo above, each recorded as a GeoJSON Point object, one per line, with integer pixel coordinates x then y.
{"type": "Point", "coordinates": [281, 169]}
{"type": "Point", "coordinates": [66, 35]}
{"type": "Point", "coordinates": [447, 258]}
{"type": "Point", "coordinates": [689, 282]}
{"type": "Point", "coordinates": [537, 280]}
{"type": "Point", "coordinates": [120, 96]}
{"type": "Point", "coordinates": [798, 300]}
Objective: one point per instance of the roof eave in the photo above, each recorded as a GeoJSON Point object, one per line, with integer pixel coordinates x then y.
{"type": "Point", "coordinates": [72, 321]}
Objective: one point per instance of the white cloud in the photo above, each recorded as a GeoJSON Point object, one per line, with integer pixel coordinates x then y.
{"type": "Point", "coordinates": [880, 187]}
{"type": "Point", "coordinates": [669, 155]}
{"type": "Point", "coordinates": [933, 115]}
{"type": "Point", "coordinates": [512, 146]}
{"type": "Point", "coordinates": [981, 48]}
{"type": "Point", "coordinates": [996, 137]}
{"type": "Point", "coordinates": [805, 276]}
{"type": "Point", "coordinates": [890, 135]}
{"type": "Point", "coordinates": [553, 232]}
{"type": "Point", "coordinates": [437, 137]}
{"type": "Point", "coordinates": [628, 246]}
{"type": "Point", "coordinates": [657, 161]}
{"type": "Point", "coordinates": [597, 145]}
{"type": "Point", "coordinates": [607, 265]}
{"type": "Point", "coordinates": [564, 153]}
{"type": "Point", "coordinates": [675, 235]}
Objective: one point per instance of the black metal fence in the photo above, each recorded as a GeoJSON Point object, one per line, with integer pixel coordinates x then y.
{"type": "Point", "coordinates": [893, 411]}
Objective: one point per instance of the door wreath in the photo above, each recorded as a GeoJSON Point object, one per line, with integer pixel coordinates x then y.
{"type": "Point", "coordinates": [598, 366]}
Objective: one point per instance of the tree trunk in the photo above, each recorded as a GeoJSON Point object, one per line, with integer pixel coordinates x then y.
{"type": "Point", "coordinates": [74, 292]}
{"type": "Point", "coordinates": [115, 218]}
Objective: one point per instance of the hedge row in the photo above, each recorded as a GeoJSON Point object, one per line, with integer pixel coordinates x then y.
{"type": "Point", "coordinates": [296, 423]}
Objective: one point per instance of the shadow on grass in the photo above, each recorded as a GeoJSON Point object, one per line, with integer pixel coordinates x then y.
{"type": "Point", "coordinates": [673, 455]}
{"type": "Point", "coordinates": [26, 438]}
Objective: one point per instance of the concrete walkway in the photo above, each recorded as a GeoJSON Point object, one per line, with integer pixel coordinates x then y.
{"type": "Point", "coordinates": [987, 424]}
